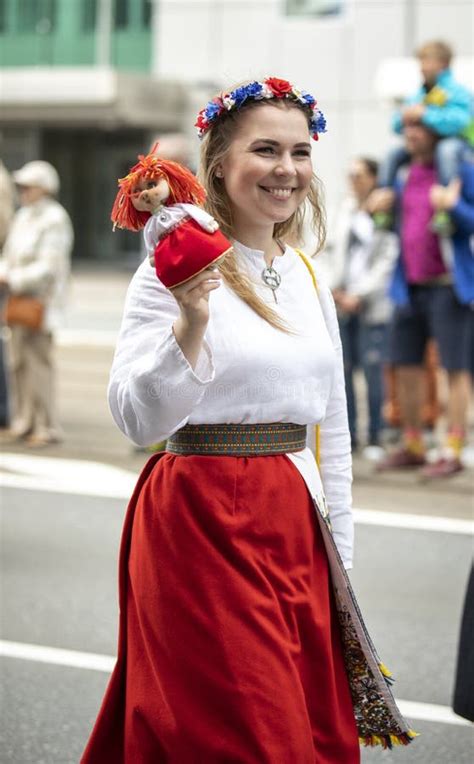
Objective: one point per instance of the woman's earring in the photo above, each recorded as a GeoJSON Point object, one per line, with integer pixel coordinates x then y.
{"type": "Point", "coordinates": [219, 174]}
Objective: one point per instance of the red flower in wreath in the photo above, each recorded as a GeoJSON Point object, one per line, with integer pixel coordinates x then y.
{"type": "Point", "coordinates": [201, 121]}
{"type": "Point", "coordinates": [279, 88]}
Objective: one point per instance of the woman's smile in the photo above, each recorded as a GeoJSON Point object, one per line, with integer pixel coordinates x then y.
{"type": "Point", "coordinates": [282, 193]}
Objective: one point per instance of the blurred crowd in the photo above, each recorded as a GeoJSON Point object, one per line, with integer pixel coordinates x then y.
{"type": "Point", "coordinates": [400, 262]}
{"type": "Point", "coordinates": [399, 259]}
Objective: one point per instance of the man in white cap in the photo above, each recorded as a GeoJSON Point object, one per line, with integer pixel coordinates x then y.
{"type": "Point", "coordinates": [36, 264]}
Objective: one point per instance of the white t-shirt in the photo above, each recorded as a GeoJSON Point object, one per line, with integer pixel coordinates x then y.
{"type": "Point", "coordinates": [247, 372]}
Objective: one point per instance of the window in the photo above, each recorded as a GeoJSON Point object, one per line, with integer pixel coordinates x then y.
{"type": "Point", "coordinates": [28, 12]}
{"type": "Point", "coordinates": [146, 13]}
{"type": "Point", "coordinates": [36, 16]}
{"type": "Point", "coordinates": [89, 15]}
{"type": "Point", "coordinates": [314, 7]}
{"type": "Point", "coordinates": [121, 19]}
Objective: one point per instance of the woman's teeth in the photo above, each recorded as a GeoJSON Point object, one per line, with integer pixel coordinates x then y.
{"type": "Point", "coordinates": [279, 193]}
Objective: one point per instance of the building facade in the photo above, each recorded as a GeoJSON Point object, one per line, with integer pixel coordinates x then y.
{"type": "Point", "coordinates": [64, 33]}
{"type": "Point", "coordinates": [78, 89]}
{"type": "Point", "coordinates": [87, 83]}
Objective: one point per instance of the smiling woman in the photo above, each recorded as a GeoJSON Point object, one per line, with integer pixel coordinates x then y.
{"type": "Point", "coordinates": [240, 638]}
{"type": "Point", "coordinates": [267, 128]}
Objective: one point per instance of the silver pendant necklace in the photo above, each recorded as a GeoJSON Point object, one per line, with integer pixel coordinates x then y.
{"type": "Point", "coordinates": [270, 276]}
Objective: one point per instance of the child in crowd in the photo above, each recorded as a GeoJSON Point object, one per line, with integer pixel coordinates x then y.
{"type": "Point", "coordinates": [446, 108]}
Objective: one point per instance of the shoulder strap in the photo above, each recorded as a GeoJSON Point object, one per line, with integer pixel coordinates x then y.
{"type": "Point", "coordinates": [317, 449]}
{"type": "Point", "coordinates": [309, 267]}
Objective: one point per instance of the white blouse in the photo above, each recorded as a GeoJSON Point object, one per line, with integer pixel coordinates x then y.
{"type": "Point", "coordinates": [247, 372]}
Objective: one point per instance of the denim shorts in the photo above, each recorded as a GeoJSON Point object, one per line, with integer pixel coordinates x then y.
{"type": "Point", "coordinates": [433, 312]}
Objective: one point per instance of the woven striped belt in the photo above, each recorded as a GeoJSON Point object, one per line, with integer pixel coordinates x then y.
{"type": "Point", "coordinates": [238, 439]}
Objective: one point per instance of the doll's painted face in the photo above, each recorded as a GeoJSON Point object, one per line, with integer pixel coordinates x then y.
{"type": "Point", "coordinates": [150, 194]}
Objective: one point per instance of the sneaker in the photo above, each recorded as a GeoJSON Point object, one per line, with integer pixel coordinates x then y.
{"type": "Point", "coordinates": [442, 224]}
{"type": "Point", "coordinates": [40, 440]}
{"type": "Point", "coordinates": [373, 453]}
{"type": "Point", "coordinates": [442, 468]}
{"type": "Point", "coordinates": [401, 459]}
{"type": "Point", "coordinates": [12, 435]}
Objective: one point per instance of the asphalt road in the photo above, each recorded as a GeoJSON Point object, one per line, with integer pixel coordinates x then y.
{"type": "Point", "coordinates": [59, 590]}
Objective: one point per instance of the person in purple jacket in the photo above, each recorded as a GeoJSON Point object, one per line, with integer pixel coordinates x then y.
{"type": "Point", "coordinates": [433, 291]}
{"type": "Point", "coordinates": [444, 106]}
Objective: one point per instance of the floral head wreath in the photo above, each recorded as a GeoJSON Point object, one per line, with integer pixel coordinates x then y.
{"type": "Point", "coordinates": [271, 87]}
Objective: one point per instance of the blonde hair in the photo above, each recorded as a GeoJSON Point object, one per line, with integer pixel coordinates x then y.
{"type": "Point", "coordinates": [215, 146]}
{"type": "Point", "coordinates": [437, 49]}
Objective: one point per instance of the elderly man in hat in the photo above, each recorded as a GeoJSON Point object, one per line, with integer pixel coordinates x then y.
{"type": "Point", "coordinates": [35, 270]}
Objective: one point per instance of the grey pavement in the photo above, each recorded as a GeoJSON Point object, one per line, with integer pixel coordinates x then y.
{"type": "Point", "coordinates": [60, 553]}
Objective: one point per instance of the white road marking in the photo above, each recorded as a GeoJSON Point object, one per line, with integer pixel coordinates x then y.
{"type": "Point", "coordinates": [414, 522]}
{"type": "Point", "coordinates": [84, 478]}
{"type": "Point", "coordinates": [56, 656]}
{"type": "Point", "coordinates": [428, 712]}
{"type": "Point", "coordinates": [71, 476]}
{"type": "Point", "coordinates": [431, 712]}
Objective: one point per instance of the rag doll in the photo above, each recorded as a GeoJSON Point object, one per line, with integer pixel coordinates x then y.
{"type": "Point", "coordinates": [162, 197]}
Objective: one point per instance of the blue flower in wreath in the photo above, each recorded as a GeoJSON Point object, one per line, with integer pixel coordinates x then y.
{"type": "Point", "coordinates": [254, 90]}
{"type": "Point", "coordinates": [212, 110]}
{"type": "Point", "coordinates": [239, 95]}
{"type": "Point", "coordinates": [318, 123]}
{"type": "Point", "coordinates": [308, 98]}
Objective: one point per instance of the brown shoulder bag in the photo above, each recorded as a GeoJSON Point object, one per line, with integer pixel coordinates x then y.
{"type": "Point", "coordinates": [24, 310]}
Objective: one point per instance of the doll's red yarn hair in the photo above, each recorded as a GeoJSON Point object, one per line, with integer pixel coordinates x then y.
{"type": "Point", "coordinates": [184, 189]}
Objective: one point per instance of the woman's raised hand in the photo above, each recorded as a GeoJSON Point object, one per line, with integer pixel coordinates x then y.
{"type": "Point", "coordinates": [193, 297]}
{"type": "Point", "coordinates": [193, 300]}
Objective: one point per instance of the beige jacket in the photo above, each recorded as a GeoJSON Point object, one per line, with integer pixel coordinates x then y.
{"type": "Point", "coordinates": [37, 255]}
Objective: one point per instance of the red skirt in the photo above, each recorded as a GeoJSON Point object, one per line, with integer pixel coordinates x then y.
{"type": "Point", "coordinates": [229, 645]}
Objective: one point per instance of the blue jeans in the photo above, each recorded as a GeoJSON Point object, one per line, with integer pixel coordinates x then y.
{"type": "Point", "coordinates": [449, 154]}
{"type": "Point", "coordinates": [363, 346]}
